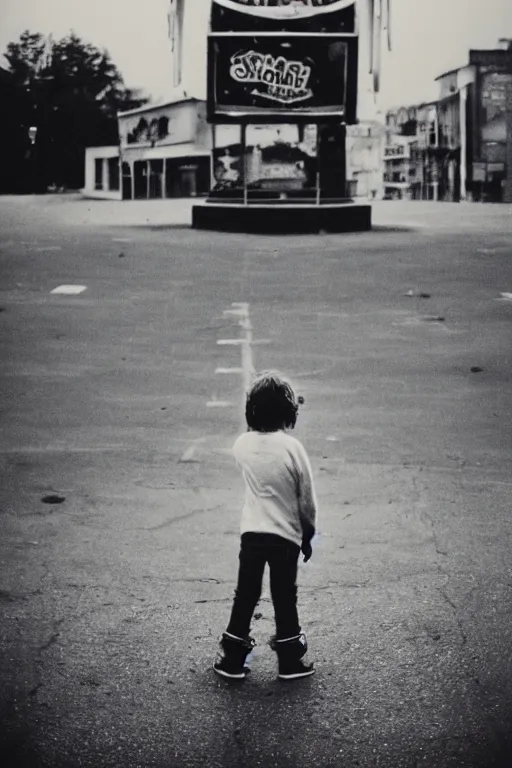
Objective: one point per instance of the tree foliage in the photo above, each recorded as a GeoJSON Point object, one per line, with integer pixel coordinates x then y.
{"type": "Point", "coordinates": [71, 91]}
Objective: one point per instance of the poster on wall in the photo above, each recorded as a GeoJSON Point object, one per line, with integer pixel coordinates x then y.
{"type": "Point", "coordinates": [278, 76]}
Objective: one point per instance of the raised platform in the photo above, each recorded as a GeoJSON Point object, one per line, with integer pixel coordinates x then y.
{"type": "Point", "coordinates": [285, 218]}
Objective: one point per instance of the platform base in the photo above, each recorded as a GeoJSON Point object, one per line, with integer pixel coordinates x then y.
{"type": "Point", "coordinates": [282, 219]}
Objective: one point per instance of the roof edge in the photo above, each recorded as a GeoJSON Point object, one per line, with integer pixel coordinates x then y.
{"type": "Point", "coordinates": [151, 107]}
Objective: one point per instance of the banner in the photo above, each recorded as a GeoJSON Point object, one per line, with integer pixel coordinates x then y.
{"type": "Point", "coordinates": [278, 75]}
{"type": "Point", "coordinates": [285, 9]}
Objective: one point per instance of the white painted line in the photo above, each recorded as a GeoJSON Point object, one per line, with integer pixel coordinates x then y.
{"type": "Point", "coordinates": [45, 248]}
{"type": "Point", "coordinates": [121, 240]}
{"type": "Point", "coordinates": [235, 312]}
{"type": "Point", "coordinates": [228, 342]}
{"type": "Point", "coordinates": [228, 370]}
{"type": "Point", "coordinates": [70, 290]}
{"type": "Point", "coordinates": [219, 404]}
{"type": "Point", "coordinates": [189, 453]}
{"type": "Point", "coordinates": [261, 341]}
{"type": "Point", "coordinates": [248, 370]}
{"type": "Point", "coordinates": [505, 297]}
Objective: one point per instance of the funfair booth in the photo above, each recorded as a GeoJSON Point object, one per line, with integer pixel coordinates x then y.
{"type": "Point", "coordinates": [282, 83]}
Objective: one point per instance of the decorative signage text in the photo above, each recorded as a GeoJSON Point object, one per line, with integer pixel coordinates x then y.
{"type": "Point", "coordinates": [276, 79]}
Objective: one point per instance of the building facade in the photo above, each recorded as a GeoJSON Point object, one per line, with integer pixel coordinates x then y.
{"type": "Point", "coordinates": [170, 150]}
{"type": "Point", "coordinates": [365, 146]}
{"type": "Point", "coordinates": [400, 169]}
{"type": "Point", "coordinates": [164, 151]}
{"type": "Point", "coordinates": [460, 144]}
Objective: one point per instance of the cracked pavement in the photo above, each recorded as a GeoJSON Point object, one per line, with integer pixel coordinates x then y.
{"type": "Point", "coordinates": [112, 601]}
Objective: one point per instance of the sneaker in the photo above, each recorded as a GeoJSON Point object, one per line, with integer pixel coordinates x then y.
{"type": "Point", "coordinates": [294, 670]}
{"type": "Point", "coordinates": [225, 668]}
{"type": "Point", "coordinates": [290, 653]}
{"type": "Point", "coordinates": [233, 653]}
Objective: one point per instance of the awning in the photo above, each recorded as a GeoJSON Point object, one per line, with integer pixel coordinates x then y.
{"type": "Point", "coordinates": [134, 152]}
{"type": "Point", "coordinates": [293, 10]}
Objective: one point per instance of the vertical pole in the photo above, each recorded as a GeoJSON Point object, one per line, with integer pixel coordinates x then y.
{"type": "Point", "coordinates": [148, 175]}
{"type": "Point", "coordinates": [463, 141]}
{"type": "Point", "coordinates": [132, 179]}
{"type": "Point", "coordinates": [212, 157]}
{"type": "Point", "coordinates": [507, 192]}
{"type": "Point", "coordinates": [318, 164]}
{"type": "Point", "coordinates": [164, 178]}
{"type": "Point", "coordinates": [436, 155]}
{"type": "Point", "coordinates": [242, 159]}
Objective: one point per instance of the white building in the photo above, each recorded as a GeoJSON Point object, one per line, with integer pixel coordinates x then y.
{"type": "Point", "coordinates": [164, 151]}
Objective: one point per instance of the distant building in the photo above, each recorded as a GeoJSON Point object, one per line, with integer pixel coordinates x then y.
{"type": "Point", "coordinates": [365, 145]}
{"type": "Point", "coordinates": [169, 150]}
{"type": "Point", "coordinates": [400, 168]}
{"type": "Point", "coordinates": [461, 144]}
{"type": "Point", "coordinates": [164, 151]}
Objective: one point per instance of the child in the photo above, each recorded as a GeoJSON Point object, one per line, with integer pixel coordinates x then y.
{"type": "Point", "coordinates": [278, 522]}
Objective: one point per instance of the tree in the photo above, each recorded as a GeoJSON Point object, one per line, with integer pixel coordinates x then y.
{"type": "Point", "coordinates": [71, 91]}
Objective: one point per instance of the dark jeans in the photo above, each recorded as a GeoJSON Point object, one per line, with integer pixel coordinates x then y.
{"type": "Point", "coordinates": [282, 555]}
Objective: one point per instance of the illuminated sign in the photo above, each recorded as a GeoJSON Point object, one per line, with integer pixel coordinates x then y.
{"type": "Point", "coordinates": [276, 79]}
{"type": "Point", "coordinates": [285, 9]}
{"type": "Point", "coordinates": [282, 76]}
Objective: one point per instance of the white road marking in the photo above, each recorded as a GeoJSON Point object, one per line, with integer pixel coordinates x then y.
{"type": "Point", "coordinates": [70, 290]}
{"type": "Point", "coordinates": [189, 453]}
{"type": "Point", "coordinates": [228, 370]}
{"type": "Point", "coordinates": [121, 240]}
{"type": "Point", "coordinates": [248, 370]}
{"type": "Point", "coordinates": [45, 248]}
{"type": "Point", "coordinates": [239, 310]}
{"type": "Point", "coordinates": [505, 297]}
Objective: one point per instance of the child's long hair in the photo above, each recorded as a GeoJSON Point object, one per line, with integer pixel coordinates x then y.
{"type": "Point", "coordinates": [271, 404]}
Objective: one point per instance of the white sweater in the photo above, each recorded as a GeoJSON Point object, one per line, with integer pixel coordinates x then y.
{"type": "Point", "coordinates": [279, 493]}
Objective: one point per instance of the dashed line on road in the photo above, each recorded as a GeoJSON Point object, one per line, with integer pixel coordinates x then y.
{"type": "Point", "coordinates": [189, 453]}
{"type": "Point", "coordinates": [229, 370]}
{"type": "Point", "coordinates": [70, 290]}
{"type": "Point", "coordinates": [48, 248]}
{"type": "Point", "coordinates": [245, 341]}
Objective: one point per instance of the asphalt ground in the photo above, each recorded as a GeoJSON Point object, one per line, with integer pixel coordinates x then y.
{"type": "Point", "coordinates": [113, 599]}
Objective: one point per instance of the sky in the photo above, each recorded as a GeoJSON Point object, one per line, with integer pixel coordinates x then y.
{"type": "Point", "coordinates": [429, 37]}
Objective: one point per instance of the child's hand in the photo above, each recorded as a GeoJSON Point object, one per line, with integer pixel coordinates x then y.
{"type": "Point", "coordinates": [306, 550]}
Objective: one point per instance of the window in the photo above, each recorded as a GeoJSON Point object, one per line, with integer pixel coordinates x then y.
{"type": "Point", "coordinates": [113, 174]}
{"type": "Point", "coordinates": [163, 127]}
{"type": "Point", "coordinates": [98, 173]}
